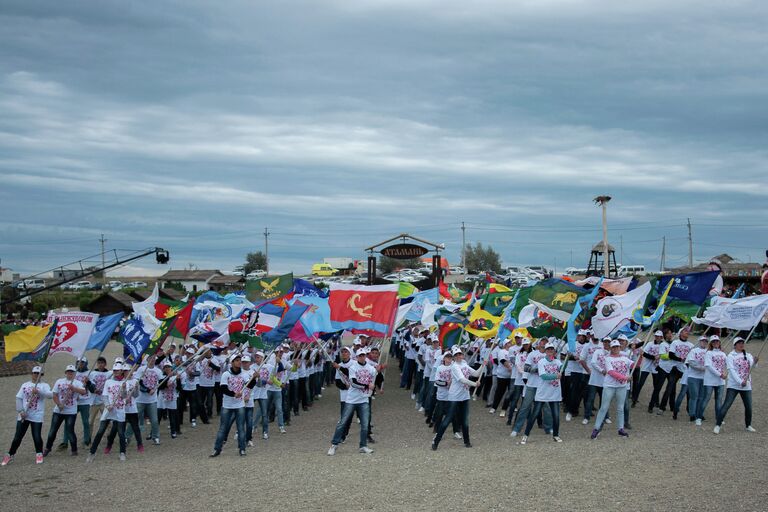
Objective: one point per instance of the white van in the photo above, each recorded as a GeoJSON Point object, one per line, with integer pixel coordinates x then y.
{"type": "Point", "coordinates": [631, 270]}
{"type": "Point", "coordinates": [31, 284]}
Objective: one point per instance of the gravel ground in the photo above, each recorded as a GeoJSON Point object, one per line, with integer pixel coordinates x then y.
{"type": "Point", "coordinates": [664, 464]}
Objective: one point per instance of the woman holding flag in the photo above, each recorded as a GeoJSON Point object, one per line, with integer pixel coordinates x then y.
{"type": "Point", "coordinates": [30, 406]}
{"type": "Point", "coordinates": [618, 370]}
{"type": "Point", "coordinates": [549, 392]}
{"type": "Point", "coordinates": [739, 364]}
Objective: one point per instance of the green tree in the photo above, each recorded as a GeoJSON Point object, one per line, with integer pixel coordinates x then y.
{"type": "Point", "coordinates": [387, 265]}
{"type": "Point", "coordinates": [255, 261]}
{"type": "Point", "coordinates": [481, 259]}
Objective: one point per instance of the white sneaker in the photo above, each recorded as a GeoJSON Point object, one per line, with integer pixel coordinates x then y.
{"type": "Point", "coordinates": [413, 396]}
{"type": "Point", "coordinates": [751, 429]}
{"type": "Point", "coordinates": [365, 449]}
{"type": "Point", "coordinates": [457, 435]}
{"type": "Point", "coordinates": [474, 398]}
{"type": "Point", "coordinates": [523, 439]}
{"type": "Point", "coordinates": [585, 421]}
{"type": "Point", "coordinates": [194, 424]}
{"type": "Point", "coordinates": [716, 429]}
{"type": "Point", "coordinates": [319, 396]}
{"type": "Point", "coordinates": [156, 440]}
{"type": "Point", "coordinates": [502, 414]}
{"type": "Point", "coordinates": [282, 430]}
{"type": "Point", "coordinates": [491, 411]}
{"type": "Point", "coordinates": [513, 434]}
{"type": "Point", "coordinates": [89, 458]}
{"type": "Point", "coordinates": [418, 406]}
{"type": "Point", "coordinates": [265, 435]}
{"type": "Point", "coordinates": [421, 409]}
{"type": "Point", "coordinates": [122, 457]}
{"type": "Point", "coordinates": [698, 422]}
{"type": "Point", "coordinates": [608, 421]}
{"type": "Point", "coordinates": [250, 443]}
{"type": "Point", "coordinates": [568, 417]}
{"type": "Point", "coordinates": [332, 450]}
{"type": "Point", "coordinates": [557, 439]}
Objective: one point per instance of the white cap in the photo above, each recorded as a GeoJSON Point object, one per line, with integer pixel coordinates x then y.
{"type": "Point", "coordinates": [347, 349]}
{"type": "Point", "coordinates": [126, 366]}
{"type": "Point", "coordinates": [615, 343]}
{"type": "Point", "coordinates": [70, 368]}
{"type": "Point", "coordinates": [37, 369]}
{"type": "Point", "coordinates": [518, 335]}
{"type": "Point", "coordinates": [550, 345]}
{"type": "Point", "coordinates": [259, 353]}
{"type": "Point", "coordinates": [581, 332]}
{"type": "Point", "coordinates": [117, 367]}
{"type": "Point", "coordinates": [447, 353]}
{"type": "Point", "coordinates": [606, 338]}
{"type": "Point", "coordinates": [190, 350]}
{"type": "Point", "coordinates": [119, 360]}
{"type": "Point", "coordinates": [456, 350]}
{"type": "Point", "coordinates": [82, 360]}
{"type": "Point", "coordinates": [167, 363]}
{"type": "Point", "coordinates": [714, 337]}
{"type": "Point", "coordinates": [703, 337]}
{"type": "Point", "coordinates": [286, 346]}
{"type": "Point", "coordinates": [658, 333]}
{"type": "Point", "coordinates": [361, 352]}
{"type": "Point", "coordinates": [622, 337]}
{"type": "Point", "coordinates": [526, 341]}
{"type": "Point", "coordinates": [233, 357]}
{"type": "Point", "coordinates": [737, 339]}
{"type": "Point", "coordinates": [246, 358]}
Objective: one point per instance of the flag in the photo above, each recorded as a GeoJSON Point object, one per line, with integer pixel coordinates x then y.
{"type": "Point", "coordinates": [612, 286]}
{"type": "Point", "coordinates": [252, 340]}
{"type": "Point", "coordinates": [366, 308]}
{"type": "Point", "coordinates": [482, 323]}
{"type": "Point", "coordinates": [527, 315]}
{"type": "Point", "coordinates": [307, 289]}
{"type": "Point", "coordinates": [737, 314]}
{"type": "Point", "coordinates": [166, 308]}
{"type": "Point", "coordinates": [73, 331]}
{"type": "Point", "coordinates": [402, 311]}
{"type": "Point", "coordinates": [146, 308]}
{"type": "Point", "coordinates": [419, 301]}
{"type": "Point", "coordinates": [647, 321]}
{"type": "Point", "coordinates": [181, 325]}
{"type": "Point", "coordinates": [617, 310]}
{"type": "Point", "coordinates": [739, 293]}
{"type": "Point", "coordinates": [32, 343]}
{"type": "Point", "coordinates": [570, 328]}
{"type": "Point", "coordinates": [405, 290]}
{"type": "Point", "coordinates": [269, 287]}
{"type": "Point", "coordinates": [266, 318]}
{"type": "Point", "coordinates": [135, 337]}
{"type": "Point", "coordinates": [508, 323]}
{"type": "Point", "coordinates": [159, 336]}
{"type": "Point", "coordinates": [428, 315]}
{"type": "Point", "coordinates": [7, 329]}
{"type": "Point", "coordinates": [444, 315]}
{"type": "Point", "coordinates": [102, 331]}
{"type": "Point", "coordinates": [449, 335]}
{"type": "Point", "coordinates": [209, 332]}
{"type": "Point", "coordinates": [317, 318]}
{"type": "Point", "coordinates": [290, 318]}
{"type": "Point", "coordinates": [496, 303]}
{"type": "Point", "coordinates": [693, 288]}
{"type": "Point", "coordinates": [556, 297]}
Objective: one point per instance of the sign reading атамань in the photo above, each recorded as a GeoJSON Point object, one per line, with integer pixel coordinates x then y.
{"type": "Point", "coordinates": [404, 251]}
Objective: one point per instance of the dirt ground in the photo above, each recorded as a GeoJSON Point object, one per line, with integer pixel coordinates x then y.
{"type": "Point", "coordinates": [665, 464]}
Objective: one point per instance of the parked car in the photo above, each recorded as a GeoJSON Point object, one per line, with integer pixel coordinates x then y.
{"type": "Point", "coordinates": [323, 269]}
{"type": "Point", "coordinates": [31, 284]}
{"type": "Point", "coordinates": [457, 270]}
{"type": "Point", "coordinates": [81, 285]}
{"type": "Point", "coordinates": [544, 271]}
{"type": "Point", "coordinates": [256, 274]}
{"type": "Point", "coordinates": [631, 270]}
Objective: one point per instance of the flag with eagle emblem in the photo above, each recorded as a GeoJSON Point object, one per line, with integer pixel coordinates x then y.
{"type": "Point", "coordinates": [269, 288]}
{"type": "Point", "coordinates": [371, 309]}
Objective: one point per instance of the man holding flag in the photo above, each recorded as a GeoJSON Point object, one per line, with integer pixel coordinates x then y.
{"type": "Point", "coordinates": [30, 406]}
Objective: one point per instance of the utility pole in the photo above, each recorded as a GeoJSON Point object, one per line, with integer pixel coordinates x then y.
{"type": "Point", "coordinates": [463, 248]}
{"type": "Point", "coordinates": [690, 245]}
{"type": "Point", "coordinates": [571, 257]}
{"type": "Point", "coordinates": [103, 263]}
{"type": "Point", "coordinates": [266, 248]}
{"type": "Point", "coordinates": [663, 253]}
{"type": "Point", "coordinates": [603, 202]}
{"type": "Point", "coordinates": [621, 250]}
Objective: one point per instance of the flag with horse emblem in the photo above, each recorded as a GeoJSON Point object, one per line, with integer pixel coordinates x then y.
{"type": "Point", "coordinates": [369, 309]}
{"type": "Point", "coordinates": [556, 297]}
{"type": "Point", "coordinates": [269, 287]}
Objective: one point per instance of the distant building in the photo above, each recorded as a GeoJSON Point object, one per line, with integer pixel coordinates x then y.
{"type": "Point", "coordinates": [110, 303]}
{"type": "Point", "coordinates": [6, 275]}
{"type": "Point", "coordinates": [734, 272]}
{"type": "Point", "coordinates": [226, 283]}
{"type": "Point", "coordinates": [191, 280]}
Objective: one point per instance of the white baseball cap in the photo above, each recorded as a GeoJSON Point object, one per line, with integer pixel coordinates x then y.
{"type": "Point", "coordinates": [190, 350]}
{"type": "Point", "coordinates": [550, 345]}
{"type": "Point", "coordinates": [246, 358]}
{"type": "Point", "coordinates": [167, 363]}
{"type": "Point", "coordinates": [37, 369]}
{"type": "Point", "coordinates": [622, 337]}
{"type": "Point", "coordinates": [606, 338]}
{"type": "Point", "coordinates": [658, 333]}
{"type": "Point", "coordinates": [526, 341]}
{"type": "Point", "coordinates": [117, 367]}
{"type": "Point", "coordinates": [737, 339]}
{"type": "Point", "coordinates": [126, 366]}
{"type": "Point", "coordinates": [70, 368]}
{"type": "Point", "coordinates": [714, 337]}
{"type": "Point", "coordinates": [615, 343]}
{"type": "Point", "coordinates": [259, 353]}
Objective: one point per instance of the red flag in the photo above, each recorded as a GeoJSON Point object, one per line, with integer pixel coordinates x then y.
{"type": "Point", "coordinates": [181, 325]}
{"type": "Point", "coordinates": [371, 308]}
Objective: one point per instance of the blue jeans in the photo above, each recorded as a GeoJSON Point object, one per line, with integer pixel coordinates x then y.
{"type": "Point", "coordinates": [346, 415]}
{"type": "Point", "coordinates": [554, 410]}
{"type": "Point", "coordinates": [69, 426]}
{"type": "Point", "coordinates": [694, 390]}
{"type": "Point", "coordinates": [408, 370]}
{"type": "Point", "coordinates": [228, 417]}
{"type": "Point", "coordinates": [260, 413]}
{"type": "Point", "coordinates": [705, 396]}
{"type": "Point", "coordinates": [424, 391]}
{"type": "Point", "coordinates": [151, 411]}
{"type": "Point", "coordinates": [84, 410]}
{"type": "Point", "coordinates": [514, 397]}
{"type": "Point", "coordinates": [276, 397]}
{"type": "Point", "coordinates": [431, 398]}
{"type": "Point", "coordinates": [459, 410]}
{"type": "Point", "coordinates": [590, 401]}
{"type": "Point", "coordinates": [249, 423]}
{"type": "Point", "coordinates": [526, 408]}
{"type": "Point", "coordinates": [730, 396]}
{"type": "Point", "coordinates": [609, 394]}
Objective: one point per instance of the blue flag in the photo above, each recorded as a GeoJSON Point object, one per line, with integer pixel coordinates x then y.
{"type": "Point", "coordinates": [317, 318]}
{"type": "Point", "coordinates": [102, 331]}
{"type": "Point", "coordinates": [508, 322]}
{"type": "Point", "coordinates": [307, 289]}
{"type": "Point", "coordinates": [135, 338]}
{"type": "Point", "coordinates": [419, 299]}
{"type": "Point", "coordinates": [571, 328]}
{"type": "Point", "coordinates": [277, 335]}
{"type": "Point", "coordinates": [693, 288]}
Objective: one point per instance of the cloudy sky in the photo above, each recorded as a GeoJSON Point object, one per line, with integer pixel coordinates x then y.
{"type": "Point", "coordinates": [193, 125]}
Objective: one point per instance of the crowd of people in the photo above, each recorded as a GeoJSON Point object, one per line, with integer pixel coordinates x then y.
{"type": "Point", "coordinates": [529, 382]}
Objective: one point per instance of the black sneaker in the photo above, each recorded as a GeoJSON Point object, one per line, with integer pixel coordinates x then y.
{"type": "Point", "coordinates": [242, 453]}
{"type": "Point", "coordinates": [371, 440]}
{"type": "Point", "coordinates": [215, 453]}
{"type": "Point", "coordinates": [467, 445]}
{"type": "Point", "coordinates": [434, 446]}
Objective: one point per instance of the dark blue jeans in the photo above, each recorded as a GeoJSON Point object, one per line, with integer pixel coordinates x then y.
{"type": "Point", "coordinates": [526, 410]}
{"type": "Point", "coordinates": [363, 411]}
{"type": "Point", "coordinates": [460, 410]}
{"type": "Point", "coordinates": [554, 409]}
{"type": "Point", "coordinates": [705, 396]}
{"type": "Point", "coordinates": [21, 431]}
{"type": "Point", "coordinates": [408, 370]}
{"type": "Point", "coordinates": [249, 423]}
{"type": "Point", "coordinates": [692, 390]}
{"type": "Point", "coordinates": [69, 425]}
{"type": "Point", "coordinates": [228, 417]}
{"type": "Point", "coordinates": [730, 396]}
{"type": "Point", "coordinates": [260, 413]}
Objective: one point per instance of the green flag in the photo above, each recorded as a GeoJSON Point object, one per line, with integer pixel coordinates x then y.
{"type": "Point", "coordinates": [556, 297]}
{"type": "Point", "coordinates": [159, 336]}
{"type": "Point", "coordinates": [495, 303]}
{"type": "Point", "coordinates": [241, 337]}
{"type": "Point", "coordinates": [269, 287]}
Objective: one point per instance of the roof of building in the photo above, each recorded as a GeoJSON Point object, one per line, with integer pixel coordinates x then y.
{"type": "Point", "coordinates": [224, 279]}
{"type": "Point", "coordinates": [189, 275]}
{"type": "Point", "coordinates": [120, 297]}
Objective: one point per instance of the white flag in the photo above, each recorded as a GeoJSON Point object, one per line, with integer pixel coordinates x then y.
{"type": "Point", "coordinates": [73, 332]}
{"type": "Point", "coordinates": [740, 314]}
{"type": "Point", "coordinates": [146, 310]}
{"type": "Point", "coordinates": [614, 312]}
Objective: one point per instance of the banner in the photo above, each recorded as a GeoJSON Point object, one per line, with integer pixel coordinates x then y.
{"type": "Point", "coordinates": [613, 312]}
{"type": "Point", "coordinates": [738, 314]}
{"type": "Point", "coordinates": [73, 332]}
{"type": "Point", "coordinates": [363, 308]}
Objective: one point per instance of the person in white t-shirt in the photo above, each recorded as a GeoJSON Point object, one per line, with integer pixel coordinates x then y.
{"type": "Point", "coordinates": [84, 402]}
{"type": "Point", "coordinates": [98, 377]}
{"type": "Point", "coordinates": [502, 368]}
{"type": "Point", "coordinates": [65, 392]}
{"type": "Point", "coordinates": [715, 373]}
{"type": "Point", "coordinates": [30, 407]}
{"type": "Point", "coordinates": [362, 380]}
{"type": "Point", "coordinates": [148, 376]}
{"type": "Point", "coordinates": [233, 385]}
{"type": "Point", "coordinates": [549, 392]}
{"type": "Point", "coordinates": [458, 397]}
{"type": "Point", "coordinates": [596, 378]}
{"type": "Point", "coordinates": [260, 379]}
{"type": "Point", "coordinates": [678, 352]}
{"type": "Point", "coordinates": [739, 383]}
{"type": "Point", "coordinates": [167, 396]}
{"type": "Point", "coordinates": [617, 374]}
{"type": "Point", "coordinates": [248, 397]}
{"type": "Point", "coordinates": [649, 366]}
{"type": "Point", "coordinates": [114, 397]}
{"type": "Point", "coordinates": [692, 383]}
{"type": "Point", "coordinates": [442, 374]}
